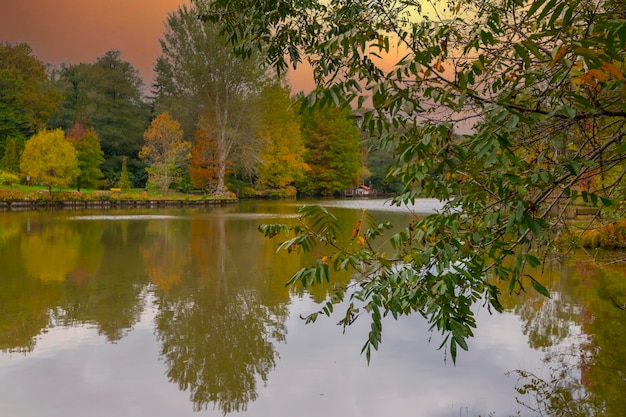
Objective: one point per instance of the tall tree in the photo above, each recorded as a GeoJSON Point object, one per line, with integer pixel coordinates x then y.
{"type": "Point", "coordinates": [107, 95]}
{"type": "Point", "coordinates": [13, 120]}
{"type": "Point", "coordinates": [10, 161]}
{"type": "Point", "coordinates": [497, 108]}
{"type": "Point", "coordinates": [204, 168]}
{"type": "Point", "coordinates": [89, 153]}
{"type": "Point", "coordinates": [333, 150]}
{"type": "Point", "coordinates": [199, 77]}
{"type": "Point", "coordinates": [50, 159]}
{"type": "Point", "coordinates": [165, 150]}
{"type": "Point", "coordinates": [79, 102]}
{"type": "Point", "coordinates": [379, 161]}
{"type": "Point", "coordinates": [282, 148]}
{"type": "Point", "coordinates": [27, 97]}
{"type": "Point", "coordinates": [124, 181]}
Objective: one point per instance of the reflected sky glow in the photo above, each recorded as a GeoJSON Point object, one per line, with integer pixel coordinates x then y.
{"type": "Point", "coordinates": [420, 206]}
{"type": "Point", "coordinates": [178, 310]}
{"type": "Point", "coordinates": [248, 216]}
{"type": "Point", "coordinates": [320, 372]}
{"type": "Point", "coordinates": [120, 217]}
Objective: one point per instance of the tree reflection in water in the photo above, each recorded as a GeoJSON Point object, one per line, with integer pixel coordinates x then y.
{"type": "Point", "coordinates": [68, 273]}
{"type": "Point", "coordinates": [583, 333]}
{"type": "Point", "coordinates": [221, 305]}
{"type": "Point", "coordinates": [562, 393]}
{"type": "Point", "coordinates": [216, 351]}
{"type": "Point", "coordinates": [217, 326]}
{"type": "Point", "coordinates": [105, 288]}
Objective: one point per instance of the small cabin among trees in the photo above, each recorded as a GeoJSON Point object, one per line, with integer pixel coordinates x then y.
{"type": "Point", "coordinates": [360, 190]}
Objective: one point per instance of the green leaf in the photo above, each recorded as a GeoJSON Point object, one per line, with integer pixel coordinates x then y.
{"type": "Point", "coordinates": [522, 53]}
{"type": "Point", "coordinates": [538, 287]}
{"type": "Point", "coordinates": [513, 121]}
{"type": "Point", "coordinates": [548, 7]}
{"type": "Point", "coordinates": [532, 260]}
{"type": "Point", "coordinates": [534, 227]}
{"type": "Point", "coordinates": [567, 17]}
{"type": "Point", "coordinates": [519, 213]}
{"type": "Point", "coordinates": [556, 13]}
{"type": "Point", "coordinates": [460, 340]}
{"type": "Point", "coordinates": [453, 349]}
{"type": "Point", "coordinates": [621, 148]}
{"type": "Point", "coordinates": [532, 47]}
{"type": "Point", "coordinates": [534, 7]}
{"type": "Point", "coordinates": [607, 202]}
{"type": "Point", "coordinates": [568, 112]}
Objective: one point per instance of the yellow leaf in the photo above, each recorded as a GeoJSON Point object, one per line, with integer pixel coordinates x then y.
{"type": "Point", "coordinates": [589, 53]}
{"type": "Point", "coordinates": [361, 241]}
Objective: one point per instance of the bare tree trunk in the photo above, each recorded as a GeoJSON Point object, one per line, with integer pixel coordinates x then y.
{"type": "Point", "coordinates": [224, 142]}
{"type": "Point", "coordinates": [221, 176]}
{"type": "Point", "coordinates": [166, 183]}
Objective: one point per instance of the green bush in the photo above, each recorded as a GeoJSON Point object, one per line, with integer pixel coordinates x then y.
{"type": "Point", "coordinates": [6, 178]}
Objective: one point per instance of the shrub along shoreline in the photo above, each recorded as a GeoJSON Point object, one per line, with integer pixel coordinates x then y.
{"type": "Point", "coordinates": [15, 199]}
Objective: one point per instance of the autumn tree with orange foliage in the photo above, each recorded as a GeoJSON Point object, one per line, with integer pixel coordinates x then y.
{"type": "Point", "coordinates": [165, 150]}
{"type": "Point", "coordinates": [202, 83]}
{"type": "Point", "coordinates": [204, 167]}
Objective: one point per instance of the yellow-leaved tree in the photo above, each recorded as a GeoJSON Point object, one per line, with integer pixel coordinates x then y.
{"type": "Point", "coordinates": [50, 159]}
{"type": "Point", "coordinates": [165, 150]}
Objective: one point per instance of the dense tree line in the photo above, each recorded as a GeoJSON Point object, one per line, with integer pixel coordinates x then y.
{"type": "Point", "coordinates": [27, 100]}
{"type": "Point", "coordinates": [108, 96]}
{"type": "Point", "coordinates": [240, 128]}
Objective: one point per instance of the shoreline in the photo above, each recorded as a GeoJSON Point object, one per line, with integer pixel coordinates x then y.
{"type": "Point", "coordinates": [21, 205]}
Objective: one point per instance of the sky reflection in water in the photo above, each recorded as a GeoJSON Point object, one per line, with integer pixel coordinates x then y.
{"type": "Point", "coordinates": [160, 314]}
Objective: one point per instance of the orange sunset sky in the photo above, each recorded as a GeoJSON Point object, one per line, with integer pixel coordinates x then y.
{"type": "Point", "coordinates": [74, 31]}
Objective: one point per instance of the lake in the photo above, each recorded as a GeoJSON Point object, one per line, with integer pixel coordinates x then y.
{"type": "Point", "coordinates": [184, 312]}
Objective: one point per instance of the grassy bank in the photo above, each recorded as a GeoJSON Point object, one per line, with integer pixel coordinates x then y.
{"type": "Point", "coordinates": [25, 193]}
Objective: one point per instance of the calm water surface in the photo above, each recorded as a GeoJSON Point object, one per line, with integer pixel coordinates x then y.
{"type": "Point", "coordinates": [184, 313]}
